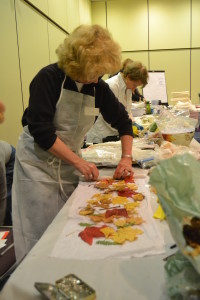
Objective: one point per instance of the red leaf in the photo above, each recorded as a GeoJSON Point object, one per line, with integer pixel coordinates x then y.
{"type": "Point", "coordinates": [129, 179]}
{"type": "Point", "coordinates": [85, 237]}
{"type": "Point", "coordinates": [127, 193]}
{"type": "Point", "coordinates": [94, 231]}
{"type": "Point", "coordinates": [116, 212]}
{"type": "Point", "coordinates": [89, 233]}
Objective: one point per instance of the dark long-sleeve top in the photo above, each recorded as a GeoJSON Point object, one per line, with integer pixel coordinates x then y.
{"type": "Point", "coordinates": [136, 96]}
{"type": "Point", "coordinates": [45, 91]}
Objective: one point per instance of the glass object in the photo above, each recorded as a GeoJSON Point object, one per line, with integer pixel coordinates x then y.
{"type": "Point", "coordinates": [148, 108]}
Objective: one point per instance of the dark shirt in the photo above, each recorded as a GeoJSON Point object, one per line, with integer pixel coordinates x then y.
{"type": "Point", "coordinates": [45, 91]}
{"type": "Point", "coordinates": [136, 97]}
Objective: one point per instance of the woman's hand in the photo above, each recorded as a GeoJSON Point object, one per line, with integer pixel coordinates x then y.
{"type": "Point", "coordinates": [62, 151]}
{"type": "Point", "coordinates": [124, 168]}
{"type": "Point", "coordinates": [89, 170]}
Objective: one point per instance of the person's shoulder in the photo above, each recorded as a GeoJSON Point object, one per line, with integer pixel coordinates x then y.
{"type": "Point", "coordinates": [51, 70]}
{"type": "Point", "coordinates": [114, 82]}
{"type": "Point", "coordinates": [51, 73]}
{"type": "Point", "coordinates": [5, 144]}
{"type": "Point", "coordinates": [5, 147]}
{"type": "Point", "coordinates": [102, 85]}
{"type": "Point", "coordinates": [113, 79]}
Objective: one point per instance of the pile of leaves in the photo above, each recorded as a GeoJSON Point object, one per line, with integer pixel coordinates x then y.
{"type": "Point", "coordinates": [116, 208]}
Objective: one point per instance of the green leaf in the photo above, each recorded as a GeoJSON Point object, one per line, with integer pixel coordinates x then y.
{"type": "Point", "coordinates": [86, 224]}
{"type": "Point", "coordinates": [126, 225]}
{"type": "Point", "coordinates": [107, 243]}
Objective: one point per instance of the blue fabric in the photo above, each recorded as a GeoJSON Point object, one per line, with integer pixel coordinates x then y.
{"type": "Point", "coordinates": [138, 126]}
{"type": "Point", "coordinates": [197, 136]}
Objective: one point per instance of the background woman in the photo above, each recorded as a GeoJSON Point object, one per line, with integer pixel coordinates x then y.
{"type": "Point", "coordinates": [123, 85]}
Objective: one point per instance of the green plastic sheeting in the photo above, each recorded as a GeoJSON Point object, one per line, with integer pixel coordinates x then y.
{"type": "Point", "coordinates": [177, 181]}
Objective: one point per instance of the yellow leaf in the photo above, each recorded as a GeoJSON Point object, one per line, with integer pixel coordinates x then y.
{"type": "Point", "coordinates": [120, 222]}
{"type": "Point", "coordinates": [132, 186]}
{"type": "Point", "coordinates": [135, 220]}
{"type": "Point", "coordinates": [107, 231]}
{"type": "Point", "coordinates": [131, 205]}
{"type": "Point", "coordinates": [85, 212]}
{"type": "Point", "coordinates": [138, 197]}
{"type": "Point", "coordinates": [119, 200]}
{"type": "Point", "coordinates": [159, 213]}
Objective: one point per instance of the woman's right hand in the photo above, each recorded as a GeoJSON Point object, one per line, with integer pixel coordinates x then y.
{"type": "Point", "coordinates": [62, 151]}
{"type": "Point", "coordinates": [89, 170]}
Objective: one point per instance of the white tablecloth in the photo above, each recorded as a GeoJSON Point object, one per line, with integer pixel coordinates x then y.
{"type": "Point", "coordinates": [132, 278]}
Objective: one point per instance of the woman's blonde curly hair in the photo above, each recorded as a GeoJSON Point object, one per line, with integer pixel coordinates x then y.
{"type": "Point", "coordinates": [88, 53]}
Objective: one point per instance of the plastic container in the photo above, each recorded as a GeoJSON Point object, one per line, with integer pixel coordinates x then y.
{"type": "Point", "coordinates": [148, 108]}
{"type": "Point", "coordinates": [137, 111]}
{"type": "Point", "coordinates": [183, 139]}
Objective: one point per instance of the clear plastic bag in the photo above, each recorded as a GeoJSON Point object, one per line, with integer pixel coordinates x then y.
{"type": "Point", "coordinates": [183, 282]}
{"type": "Point", "coordinates": [177, 184]}
{"type": "Point", "coordinates": [169, 122]}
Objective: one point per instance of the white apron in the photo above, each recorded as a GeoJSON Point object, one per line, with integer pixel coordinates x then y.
{"type": "Point", "coordinates": [100, 130]}
{"type": "Point", "coordinates": [42, 183]}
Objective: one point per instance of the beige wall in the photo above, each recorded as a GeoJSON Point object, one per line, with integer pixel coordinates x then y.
{"type": "Point", "coordinates": [28, 42]}
{"type": "Point", "coordinates": [164, 35]}
{"type": "Point", "coordinates": [10, 88]}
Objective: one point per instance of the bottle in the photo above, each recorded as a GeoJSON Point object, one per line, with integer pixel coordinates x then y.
{"type": "Point", "coordinates": [148, 108]}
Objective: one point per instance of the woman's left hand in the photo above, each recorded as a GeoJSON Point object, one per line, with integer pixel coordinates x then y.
{"type": "Point", "coordinates": [124, 168]}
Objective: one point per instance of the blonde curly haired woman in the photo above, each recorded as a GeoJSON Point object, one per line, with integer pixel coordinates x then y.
{"type": "Point", "coordinates": [65, 98]}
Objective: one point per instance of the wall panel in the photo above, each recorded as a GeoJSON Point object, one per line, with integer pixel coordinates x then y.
{"type": "Point", "coordinates": [195, 78]}
{"type": "Point", "coordinates": [41, 5]}
{"type": "Point", "coordinates": [195, 23]}
{"type": "Point", "coordinates": [137, 56]}
{"type": "Point", "coordinates": [33, 44]}
{"type": "Point", "coordinates": [99, 13]}
{"type": "Point", "coordinates": [177, 69]}
{"type": "Point", "coordinates": [56, 37]}
{"type": "Point", "coordinates": [85, 11]}
{"type": "Point", "coordinates": [10, 90]}
{"type": "Point", "coordinates": [58, 12]}
{"type": "Point", "coordinates": [73, 17]}
{"type": "Point", "coordinates": [127, 20]}
{"type": "Point", "coordinates": [169, 24]}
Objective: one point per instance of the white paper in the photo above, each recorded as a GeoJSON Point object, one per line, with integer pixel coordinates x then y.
{"type": "Point", "coordinates": [70, 246]}
{"type": "Point", "coordinates": [156, 87]}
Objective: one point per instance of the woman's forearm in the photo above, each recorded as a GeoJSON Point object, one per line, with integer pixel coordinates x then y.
{"type": "Point", "coordinates": [127, 143]}
{"type": "Point", "coordinates": [62, 151]}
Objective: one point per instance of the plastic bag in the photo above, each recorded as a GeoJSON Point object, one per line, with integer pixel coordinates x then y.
{"type": "Point", "coordinates": [183, 280]}
{"type": "Point", "coordinates": [169, 122]}
{"type": "Point", "coordinates": [177, 183]}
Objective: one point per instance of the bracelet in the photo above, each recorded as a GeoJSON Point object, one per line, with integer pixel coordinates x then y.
{"type": "Point", "coordinates": [127, 155]}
